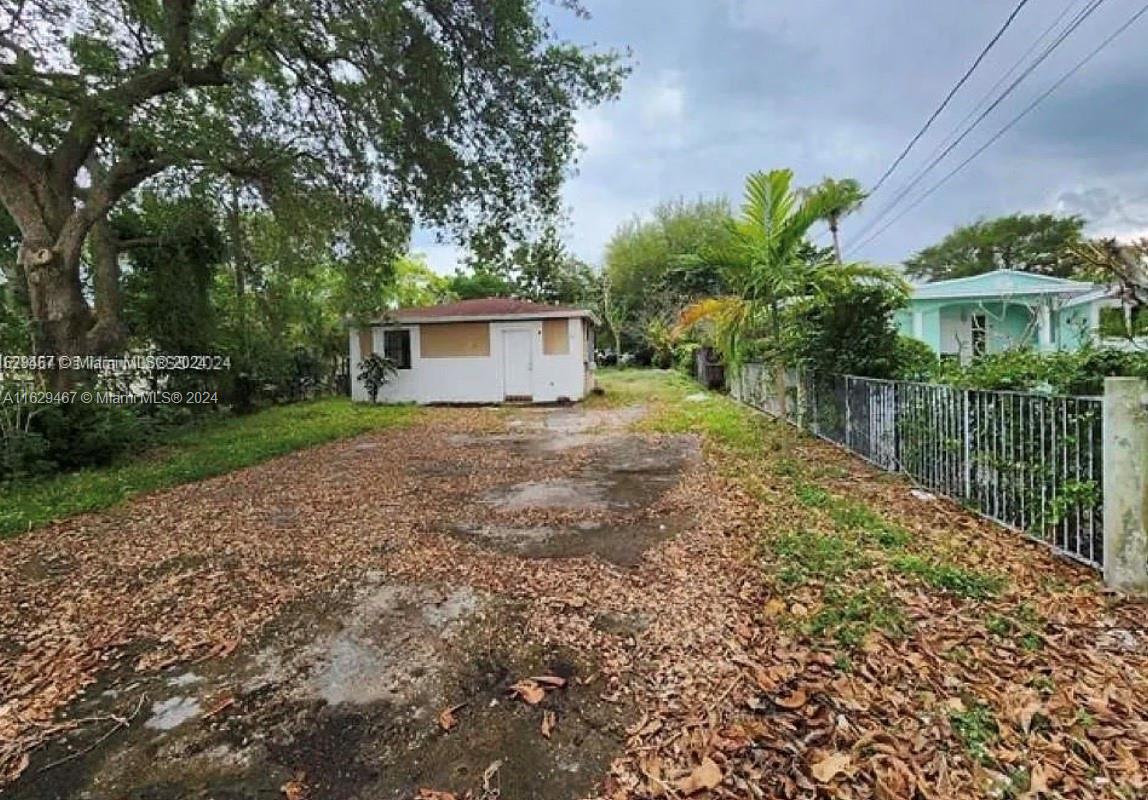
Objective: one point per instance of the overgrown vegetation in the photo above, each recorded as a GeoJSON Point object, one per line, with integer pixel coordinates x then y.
{"type": "Point", "coordinates": [1079, 372]}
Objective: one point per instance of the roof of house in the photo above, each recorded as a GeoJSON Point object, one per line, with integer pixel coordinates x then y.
{"type": "Point", "coordinates": [483, 309]}
{"type": "Point", "coordinates": [1000, 283]}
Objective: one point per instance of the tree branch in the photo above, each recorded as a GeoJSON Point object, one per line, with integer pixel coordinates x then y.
{"type": "Point", "coordinates": [94, 116]}
{"type": "Point", "coordinates": [177, 39]}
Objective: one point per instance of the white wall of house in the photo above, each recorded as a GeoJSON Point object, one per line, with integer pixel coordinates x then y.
{"type": "Point", "coordinates": [482, 379]}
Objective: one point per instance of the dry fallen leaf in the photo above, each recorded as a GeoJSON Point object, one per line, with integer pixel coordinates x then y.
{"type": "Point", "coordinates": [549, 680]}
{"type": "Point", "coordinates": [831, 766]}
{"type": "Point", "coordinates": [447, 718]}
{"type": "Point", "coordinates": [529, 691]}
{"type": "Point", "coordinates": [549, 720]}
{"type": "Point", "coordinates": [431, 794]}
{"type": "Point", "coordinates": [706, 776]}
{"type": "Point", "coordinates": [294, 789]}
{"type": "Point", "coordinates": [794, 700]}
{"type": "Point", "coordinates": [489, 773]}
{"type": "Point", "coordinates": [219, 705]}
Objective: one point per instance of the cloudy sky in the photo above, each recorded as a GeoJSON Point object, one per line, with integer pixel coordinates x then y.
{"type": "Point", "coordinates": [826, 87]}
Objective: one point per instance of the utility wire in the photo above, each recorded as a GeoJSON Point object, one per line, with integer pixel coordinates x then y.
{"type": "Point", "coordinates": [944, 103]}
{"type": "Point", "coordinates": [1025, 112]}
{"type": "Point", "coordinates": [1001, 80]}
{"type": "Point", "coordinates": [1076, 22]}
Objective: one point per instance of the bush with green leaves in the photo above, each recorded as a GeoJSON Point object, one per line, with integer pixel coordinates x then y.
{"type": "Point", "coordinates": [913, 360]}
{"type": "Point", "coordinates": [848, 329]}
{"type": "Point", "coordinates": [82, 435]}
{"type": "Point", "coordinates": [375, 371]}
{"type": "Point", "coordinates": [1079, 372]}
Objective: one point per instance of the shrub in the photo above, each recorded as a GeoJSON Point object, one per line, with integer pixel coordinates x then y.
{"type": "Point", "coordinates": [374, 371]}
{"type": "Point", "coordinates": [79, 435]}
{"type": "Point", "coordinates": [1068, 372]}
{"type": "Point", "coordinates": [685, 352]}
{"type": "Point", "coordinates": [849, 330]}
{"type": "Point", "coordinates": [913, 360]}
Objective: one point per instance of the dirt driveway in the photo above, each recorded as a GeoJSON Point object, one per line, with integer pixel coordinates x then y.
{"type": "Point", "coordinates": [353, 620]}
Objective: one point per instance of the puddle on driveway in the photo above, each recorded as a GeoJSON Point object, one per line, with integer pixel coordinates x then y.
{"type": "Point", "coordinates": [605, 508]}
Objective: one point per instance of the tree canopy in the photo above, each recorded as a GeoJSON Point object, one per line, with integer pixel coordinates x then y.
{"type": "Point", "coordinates": [654, 267]}
{"type": "Point", "coordinates": [457, 113]}
{"type": "Point", "coordinates": [1040, 243]}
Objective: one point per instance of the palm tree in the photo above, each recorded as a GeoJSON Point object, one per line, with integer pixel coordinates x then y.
{"type": "Point", "coordinates": [841, 198]}
{"type": "Point", "coordinates": [767, 266]}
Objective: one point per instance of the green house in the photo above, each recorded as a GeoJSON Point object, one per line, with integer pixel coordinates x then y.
{"type": "Point", "coordinates": [1005, 309]}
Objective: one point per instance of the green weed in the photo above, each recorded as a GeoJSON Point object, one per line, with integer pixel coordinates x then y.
{"type": "Point", "coordinates": [977, 729]}
{"type": "Point", "coordinates": [806, 555]}
{"type": "Point", "coordinates": [849, 616]}
{"type": "Point", "coordinates": [950, 578]}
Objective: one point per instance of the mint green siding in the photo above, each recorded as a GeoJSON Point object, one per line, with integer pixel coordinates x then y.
{"type": "Point", "coordinates": [1019, 310]}
{"type": "Point", "coordinates": [1073, 327]}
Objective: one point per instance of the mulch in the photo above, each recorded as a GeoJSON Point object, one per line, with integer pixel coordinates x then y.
{"type": "Point", "coordinates": [732, 699]}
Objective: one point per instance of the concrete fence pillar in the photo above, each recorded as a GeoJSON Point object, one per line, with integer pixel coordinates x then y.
{"type": "Point", "coordinates": [1126, 484]}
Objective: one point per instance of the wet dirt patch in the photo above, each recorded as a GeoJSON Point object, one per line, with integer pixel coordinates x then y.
{"type": "Point", "coordinates": [344, 695]}
{"type": "Point", "coordinates": [606, 507]}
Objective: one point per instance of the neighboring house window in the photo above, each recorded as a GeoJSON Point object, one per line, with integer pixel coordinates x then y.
{"type": "Point", "coordinates": [397, 348]}
{"type": "Point", "coordinates": [980, 335]}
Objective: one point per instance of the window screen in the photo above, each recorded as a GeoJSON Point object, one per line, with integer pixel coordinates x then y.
{"type": "Point", "coordinates": [397, 348]}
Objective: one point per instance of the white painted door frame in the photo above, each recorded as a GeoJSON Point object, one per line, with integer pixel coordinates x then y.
{"type": "Point", "coordinates": [518, 363]}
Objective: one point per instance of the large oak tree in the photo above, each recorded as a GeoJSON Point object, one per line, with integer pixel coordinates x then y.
{"type": "Point", "coordinates": [458, 113]}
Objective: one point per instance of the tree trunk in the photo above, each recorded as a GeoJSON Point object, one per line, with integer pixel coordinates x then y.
{"type": "Point", "coordinates": [108, 332]}
{"type": "Point", "coordinates": [836, 241]}
{"type": "Point", "coordinates": [59, 313]}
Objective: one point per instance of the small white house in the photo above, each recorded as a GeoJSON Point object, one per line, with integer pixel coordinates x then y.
{"type": "Point", "coordinates": [488, 350]}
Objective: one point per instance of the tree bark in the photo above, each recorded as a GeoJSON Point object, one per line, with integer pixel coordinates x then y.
{"type": "Point", "coordinates": [836, 241]}
{"type": "Point", "coordinates": [108, 332]}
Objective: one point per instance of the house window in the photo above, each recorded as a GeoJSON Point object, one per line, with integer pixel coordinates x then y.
{"type": "Point", "coordinates": [397, 348]}
{"type": "Point", "coordinates": [980, 335]}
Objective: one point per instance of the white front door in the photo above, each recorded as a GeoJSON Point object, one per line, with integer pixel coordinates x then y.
{"type": "Point", "coordinates": [518, 364]}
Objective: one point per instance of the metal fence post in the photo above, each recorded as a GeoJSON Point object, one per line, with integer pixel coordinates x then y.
{"type": "Point", "coordinates": [848, 413]}
{"type": "Point", "coordinates": [967, 478]}
{"type": "Point", "coordinates": [1125, 427]}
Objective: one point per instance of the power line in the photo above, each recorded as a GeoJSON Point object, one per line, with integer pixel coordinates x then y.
{"type": "Point", "coordinates": [980, 104]}
{"type": "Point", "coordinates": [944, 103]}
{"type": "Point", "coordinates": [1071, 28]}
{"type": "Point", "coordinates": [1025, 112]}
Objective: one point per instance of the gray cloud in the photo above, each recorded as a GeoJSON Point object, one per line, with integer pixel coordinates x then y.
{"type": "Point", "coordinates": [725, 87]}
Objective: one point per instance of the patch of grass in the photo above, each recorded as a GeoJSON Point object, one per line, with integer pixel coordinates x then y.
{"type": "Point", "coordinates": [213, 447]}
{"type": "Point", "coordinates": [713, 415]}
{"type": "Point", "coordinates": [1023, 626]}
{"type": "Point", "coordinates": [950, 578]}
{"type": "Point", "coordinates": [786, 467]}
{"type": "Point", "coordinates": [977, 729]}
{"type": "Point", "coordinates": [813, 496]}
{"type": "Point", "coordinates": [626, 387]}
{"type": "Point", "coordinates": [850, 615]}
{"type": "Point", "coordinates": [719, 419]}
{"type": "Point", "coordinates": [857, 517]}
{"type": "Point", "coordinates": [806, 555]}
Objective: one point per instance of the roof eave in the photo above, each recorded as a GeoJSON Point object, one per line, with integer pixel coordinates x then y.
{"type": "Point", "coordinates": [437, 319]}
